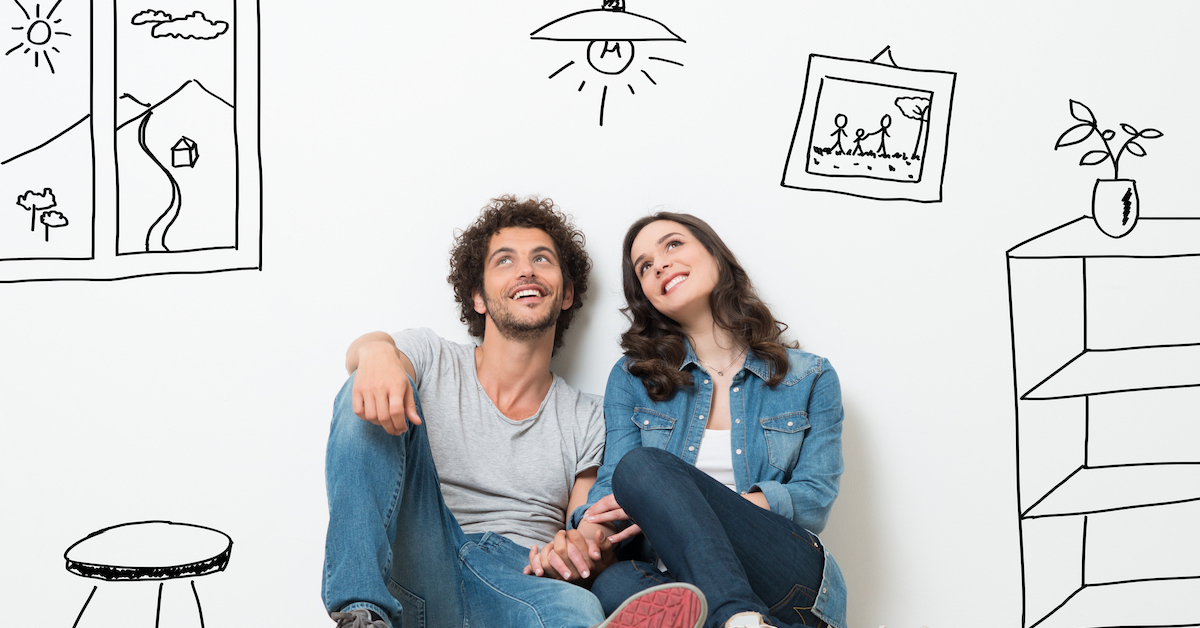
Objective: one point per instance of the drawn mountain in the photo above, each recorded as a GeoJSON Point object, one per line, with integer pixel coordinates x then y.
{"type": "Point", "coordinates": [176, 172]}
{"type": "Point", "coordinates": [62, 163]}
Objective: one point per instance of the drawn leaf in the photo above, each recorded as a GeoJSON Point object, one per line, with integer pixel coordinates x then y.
{"type": "Point", "coordinates": [1108, 134]}
{"type": "Point", "coordinates": [1080, 112]}
{"type": "Point", "coordinates": [1135, 149]}
{"type": "Point", "coordinates": [1151, 134]}
{"type": "Point", "coordinates": [1093, 157]}
{"type": "Point", "coordinates": [1075, 135]}
{"type": "Point", "coordinates": [1128, 128]}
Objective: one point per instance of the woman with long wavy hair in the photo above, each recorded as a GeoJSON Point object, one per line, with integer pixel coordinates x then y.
{"type": "Point", "coordinates": [723, 448]}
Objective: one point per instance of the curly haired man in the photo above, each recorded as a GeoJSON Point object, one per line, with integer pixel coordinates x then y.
{"type": "Point", "coordinates": [448, 464]}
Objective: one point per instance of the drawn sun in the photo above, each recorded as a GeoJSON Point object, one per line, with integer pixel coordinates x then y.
{"type": "Point", "coordinates": [38, 34]}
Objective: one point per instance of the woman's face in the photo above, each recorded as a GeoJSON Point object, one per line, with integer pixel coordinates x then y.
{"type": "Point", "coordinates": [676, 272]}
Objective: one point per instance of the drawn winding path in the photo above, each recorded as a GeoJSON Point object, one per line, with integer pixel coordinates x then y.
{"type": "Point", "coordinates": [156, 236]}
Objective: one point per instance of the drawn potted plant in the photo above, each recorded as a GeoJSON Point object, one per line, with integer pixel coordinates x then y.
{"type": "Point", "coordinates": [1114, 201]}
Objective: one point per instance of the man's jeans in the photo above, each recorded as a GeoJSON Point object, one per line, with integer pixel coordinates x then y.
{"type": "Point", "coordinates": [739, 555]}
{"type": "Point", "coordinates": [384, 495]}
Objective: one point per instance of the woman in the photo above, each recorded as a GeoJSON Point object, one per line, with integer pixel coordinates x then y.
{"type": "Point", "coordinates": [708, 398]}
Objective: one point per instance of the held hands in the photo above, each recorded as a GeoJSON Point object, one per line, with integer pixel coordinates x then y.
{"type": "Point", "coordinates": [572, 556]}
{"type": "Point", "coordinates": [382, 394]}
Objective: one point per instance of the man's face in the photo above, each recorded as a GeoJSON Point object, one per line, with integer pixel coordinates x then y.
{"type": "Point", "coordinates": [523, 289]}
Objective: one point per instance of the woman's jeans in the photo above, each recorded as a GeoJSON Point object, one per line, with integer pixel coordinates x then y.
{"type": "Point", "coordinates": [393, 543]}
{"type": "Point", "coordinates": [742, 557]}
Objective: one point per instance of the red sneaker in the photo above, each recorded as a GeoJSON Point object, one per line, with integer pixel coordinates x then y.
{"type": "Point", "coordinates": [671, 605]}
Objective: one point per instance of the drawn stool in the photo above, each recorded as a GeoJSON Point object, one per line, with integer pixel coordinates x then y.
{"type": "Point", "coordinates": [149, 551]}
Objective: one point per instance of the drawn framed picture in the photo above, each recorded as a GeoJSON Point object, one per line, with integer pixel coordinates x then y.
{"type": "Point", "coordinates": [871, 130]}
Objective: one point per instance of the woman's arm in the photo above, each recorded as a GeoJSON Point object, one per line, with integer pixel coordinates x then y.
{"type": "Point", "coordinates": [621, 435]}
{"type": "Point", "coordinates": [808, 497]}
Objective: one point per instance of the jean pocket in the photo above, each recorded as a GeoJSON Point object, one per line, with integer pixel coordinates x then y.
{"type": "Point", "coordinates": [656, 427]}
{"type": "Point", "coordinates": [796, 608]}
{"type": "Point", "coordinates": [412, 606]}
{"type": "Point", "coordinates": [785, 437]}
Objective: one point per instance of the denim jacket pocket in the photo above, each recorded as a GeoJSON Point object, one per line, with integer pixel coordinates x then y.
{"type": "Point", "coordinates": [656, 427]}
{"type": "Point", "coordinates": [785, 437]}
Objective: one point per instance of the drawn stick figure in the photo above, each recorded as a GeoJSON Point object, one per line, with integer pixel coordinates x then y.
{"type": "Point", "coordinates": [884, 123]}
{"type": "Point", "coordinates": [839, 133]}
{"type": "Point", "coordinates": [859, 136]}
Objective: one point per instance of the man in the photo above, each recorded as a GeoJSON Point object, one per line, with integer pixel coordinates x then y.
{"type": "Point", "coordinates": [515, 449]}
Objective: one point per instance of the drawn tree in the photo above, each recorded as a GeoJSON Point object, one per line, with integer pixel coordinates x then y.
{"type": "Point", "coordinates": [34, 203]}
{"type": "Point", "coordinates": [53, 219]}
{"type": "Point", "coordinates": [917, 109]}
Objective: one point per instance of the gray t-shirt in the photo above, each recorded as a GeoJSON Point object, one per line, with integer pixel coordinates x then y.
{"type": "Point", "coordinates": [509, 477]}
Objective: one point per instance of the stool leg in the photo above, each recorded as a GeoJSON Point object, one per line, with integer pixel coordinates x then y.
{"type": "Point", "coordinates": [85, 605]}
{"type": "Point", "coordinates": [198, 609]}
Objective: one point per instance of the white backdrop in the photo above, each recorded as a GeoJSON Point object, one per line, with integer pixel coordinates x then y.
{"type": "Point", "coordinates": [385, 127]}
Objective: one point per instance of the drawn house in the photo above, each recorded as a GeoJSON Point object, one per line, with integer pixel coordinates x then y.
{"type": "Point", "coordinates": [184, 153]}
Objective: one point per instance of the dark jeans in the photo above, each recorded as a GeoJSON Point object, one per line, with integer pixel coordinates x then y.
{"type": "Point", "coordinates": [744, 558]}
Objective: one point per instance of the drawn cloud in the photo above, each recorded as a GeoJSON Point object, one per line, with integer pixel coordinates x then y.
{"type": "Point", "coordinates": [193, 26]}
{"type": "Point", "coordinates": [150, 16]}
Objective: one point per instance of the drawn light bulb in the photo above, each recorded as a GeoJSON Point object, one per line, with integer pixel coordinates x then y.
{"type": "Point", "coordinates": [610, 32]}
{"type": "Point", "coordinates": [610, 57]}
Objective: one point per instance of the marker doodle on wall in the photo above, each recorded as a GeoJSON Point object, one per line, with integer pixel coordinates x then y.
{"type": "Point", "coordinates": [1106, 368]}
{"type": "Point", "coordinates": [46, 148]}
{"type": "Point", "coordinates": [610, 32]}
{"type": "Point", "coordinates": [161, 208]}
{"type": "Point", "coordinates": [186, 143]}
{"type": "Point", "coordinates": [157, 551]}
{"type": "Point", "coordinates": [1115, 205]}
{"type": "Point", "coordinates": [871, 129]}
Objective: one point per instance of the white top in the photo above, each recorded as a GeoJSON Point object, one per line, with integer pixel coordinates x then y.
{"type": "Point", "coordinates": [714, 457]}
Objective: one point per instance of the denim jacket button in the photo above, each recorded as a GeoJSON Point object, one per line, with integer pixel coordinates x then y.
{"type": "Point", "coordinates": [645, 422]}
{"type": "Point", "coordinates": [737, 421]}
{"type": "Point", "coordinates": [706, 381]}
{"type": "Point", "coordinates": [691, 449]}
{"type": "Point", "coordinates": [739, 452]}
{"type": "Point", "coordinates": [789, 423]}
{"type": "Point", "coordinates": [701, 417]}
{"type": "Point", "coordinates": [735, 388]}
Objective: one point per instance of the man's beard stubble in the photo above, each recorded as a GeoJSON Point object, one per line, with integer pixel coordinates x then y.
{"type": "Point", "coordinates": [513, 328]}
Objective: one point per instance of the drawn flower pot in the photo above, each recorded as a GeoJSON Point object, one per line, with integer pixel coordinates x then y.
{"type": "Point", "coordinates": [1115, 206]}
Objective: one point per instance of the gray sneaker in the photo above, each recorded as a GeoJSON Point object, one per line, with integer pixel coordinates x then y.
{"type": "Point", "coordinates": [358, 618]}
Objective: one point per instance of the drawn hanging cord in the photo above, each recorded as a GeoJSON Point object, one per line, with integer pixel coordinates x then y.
{"type": "Point", "coordinates": [857, 122]}
{"type": "Point", "coordinates": [160, 551]}
{"type": "Point", "coordinates": [610, 32]}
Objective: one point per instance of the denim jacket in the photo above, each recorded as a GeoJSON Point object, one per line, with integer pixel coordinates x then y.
{"type": "Point", "coordinates": [786, 441]}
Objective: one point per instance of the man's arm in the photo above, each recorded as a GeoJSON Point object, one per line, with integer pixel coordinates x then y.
{"type": "Point", "coordinates": [382, 375]}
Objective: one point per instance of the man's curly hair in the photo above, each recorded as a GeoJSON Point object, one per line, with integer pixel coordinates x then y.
{"type": "Point", "coordinates": [470, 250]}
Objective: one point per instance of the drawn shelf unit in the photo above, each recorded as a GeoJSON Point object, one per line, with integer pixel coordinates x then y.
{"type": "Point", "coordinates": [1106, 365]}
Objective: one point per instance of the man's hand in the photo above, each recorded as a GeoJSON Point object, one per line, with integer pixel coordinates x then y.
{"type": "Point", "coordinates": [572, 556]}
{"type": "Point", "coordinates": [382, 393]}
{"type": "Point", "coordinates": [607, 509]}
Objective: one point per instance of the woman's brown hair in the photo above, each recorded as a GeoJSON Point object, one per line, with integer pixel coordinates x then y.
{"type": "Point", "coordinates": [655, 344]}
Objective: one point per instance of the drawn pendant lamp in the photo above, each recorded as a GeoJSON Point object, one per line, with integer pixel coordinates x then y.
{"type": "Point", "coordinates": [1115, 206]}
{"type": "Point", "coordinates": [610, 32]}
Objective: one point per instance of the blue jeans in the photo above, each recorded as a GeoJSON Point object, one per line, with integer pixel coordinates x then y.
{"type": "Point", "coordinates": [395, 548]}
{"type": "Point", "coordinates": [742, 557]}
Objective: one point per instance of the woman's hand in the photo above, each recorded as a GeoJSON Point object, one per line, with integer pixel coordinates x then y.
{"type": "Point", "coordinates": [607, 509]}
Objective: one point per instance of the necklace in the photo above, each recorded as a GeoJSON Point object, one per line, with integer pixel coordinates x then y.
{"type": "Point", "coordinates": [722, 371]}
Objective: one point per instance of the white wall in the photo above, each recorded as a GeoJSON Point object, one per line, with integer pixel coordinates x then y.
{"type": "Point", "coordinates": [386, 126]}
